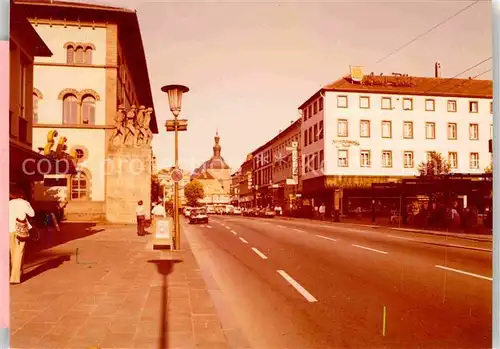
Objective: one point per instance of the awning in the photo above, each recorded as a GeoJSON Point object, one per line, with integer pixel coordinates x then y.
{"type": "Point", "coordinates": [28, 165]}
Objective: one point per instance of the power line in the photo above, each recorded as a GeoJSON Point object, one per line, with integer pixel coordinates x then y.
{"type": "Point", "coordinates": [427, 32]}
{"type": "Point", "coordinates": [484, 72]}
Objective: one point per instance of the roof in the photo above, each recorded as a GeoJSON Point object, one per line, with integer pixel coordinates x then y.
{"type": "Point", "coordinates": [214, 163]}
{"type": "Point", "coordinates": [20, 27]}
{"type": "Point", "coordinates": [410, 85]}
{"type": "Point", "coordinates": [129, 33]}
{"type": "Point", "coordinates": [289, 129]}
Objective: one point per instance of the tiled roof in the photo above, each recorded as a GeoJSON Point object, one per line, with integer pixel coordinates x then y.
{"type": "Point", "coordinates": [409, 85]}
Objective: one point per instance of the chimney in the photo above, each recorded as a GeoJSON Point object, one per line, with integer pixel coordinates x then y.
{"type": "Point", "coordinates": [437, 70]}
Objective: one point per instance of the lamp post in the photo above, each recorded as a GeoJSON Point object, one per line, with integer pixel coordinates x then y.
{"type": "Point", "coordinates": [175, 93]}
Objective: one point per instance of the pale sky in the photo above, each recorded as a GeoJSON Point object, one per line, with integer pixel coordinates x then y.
{"type": "Point", "coordinates": [250, 65]}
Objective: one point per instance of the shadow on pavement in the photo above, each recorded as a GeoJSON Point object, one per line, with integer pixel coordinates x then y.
{"type": "Point", "coordinates": [43, 263]}
{"type": "Point", "coordinates": [164, 267]}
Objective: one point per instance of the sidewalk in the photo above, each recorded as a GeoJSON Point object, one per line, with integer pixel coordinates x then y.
{"type": "Point", "coordinates": [109, 294]}
{"type": "Point", "coordinates": [368, 224]}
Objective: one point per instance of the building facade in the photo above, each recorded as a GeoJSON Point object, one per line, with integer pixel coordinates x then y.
{"type": "Point", "coordinates": [167, 185]}
{"type": "Point", "coordinates": [246, 187]}
{"type": "Point", "coordinates": [98, 65]}
{"type": "Point", "coordinates": [381, 128]}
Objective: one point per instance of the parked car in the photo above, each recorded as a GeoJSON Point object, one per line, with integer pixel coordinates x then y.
{"type": "Point", "coordinates": [267, 213]}
{"type": "Point", "coordinates": [210, 210]}
{"type": "Point", "coordinates": [187, 211]}
{"type": "Point", "coordinates": [237, 211]}
{"type": "Point", "coordinates": [198, 215]}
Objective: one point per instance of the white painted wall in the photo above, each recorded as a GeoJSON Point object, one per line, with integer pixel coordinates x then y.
{"type": "Point", "coordinates": [397, 144]}
{"type": "Point", "coordinates": [94, 141]}
{"type": "Point", "coordinates": [315, 146]}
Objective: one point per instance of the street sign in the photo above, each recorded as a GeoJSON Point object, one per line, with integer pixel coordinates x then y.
{"type": "Point", "coordinates": [176, 175]}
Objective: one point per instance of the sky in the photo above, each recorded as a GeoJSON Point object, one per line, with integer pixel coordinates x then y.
{"type": "Point", "coordinates": [249, 65]}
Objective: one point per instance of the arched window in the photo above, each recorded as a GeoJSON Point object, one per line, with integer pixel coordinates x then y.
{"type": "Point", "coordinates": [79, 186]}
{"type": "Point", "coordinates": [70, 55]}
{"type": "Point", "coordinates": [88, 55]}
{"type": "Point", "coordinates": [35, 108]}
{"type": "Point", "coordinates": [70, 109]}
{"type": "Point", "coordinates": [88, 110]}
{"type": "Point", "coordinates": [79, 55]}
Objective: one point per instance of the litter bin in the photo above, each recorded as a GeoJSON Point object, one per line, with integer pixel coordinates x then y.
{"type": "Point", "coordinates": [163, 232]}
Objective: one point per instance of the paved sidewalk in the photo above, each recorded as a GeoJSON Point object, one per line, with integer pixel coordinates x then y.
{"type": "Point", "coordinates": [109, 294]}
{"type": "Point", "coordinates": [477, 237]}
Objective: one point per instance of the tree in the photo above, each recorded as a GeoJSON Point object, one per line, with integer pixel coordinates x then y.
{"type": "Point", "coordinates": [489, 169]}
{"type": "Point", "coordinates": [193, 191]}
{"type": "Point", "coordinates": [436, 167]}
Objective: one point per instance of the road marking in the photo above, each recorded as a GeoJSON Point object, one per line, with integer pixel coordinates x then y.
{"type": "Point", "coordinates": [243, 240]}
{"type": "Point", "coordinates": [299, 230]}
{"type": "Point", "coordinates": [235, 233]}
{"type": "Point", "coordinates": [281, 226]}
{"type": "Point", "coordinates": [464, 272]}
{"type": "Point", "coordinates": [370, 249]}
{"type": "Point", "coordinates": [384, 316]}
{"type": "Point", "coordinates": [326, 237]}
{"type": "Point", "coordinates": [228, 228]}
{"type": "Point", "coordinates": [297, 286]}
{"type": "Point", "coordinates": [209, 226]}
{"type": "Point", "coordinates": [260, 254]}
{"type": "Point", "coordinates": [470, 247]}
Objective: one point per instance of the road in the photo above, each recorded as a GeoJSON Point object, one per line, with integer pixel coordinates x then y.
{"type": "Point", "coordinates": [306, 284]}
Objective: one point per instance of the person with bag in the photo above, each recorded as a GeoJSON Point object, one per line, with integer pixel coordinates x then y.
{"type": "Point", "coordinates": [19, 227]}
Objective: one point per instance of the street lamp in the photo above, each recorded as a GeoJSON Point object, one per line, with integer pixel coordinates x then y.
{"type": "Point", "coordinates": [175, 93]}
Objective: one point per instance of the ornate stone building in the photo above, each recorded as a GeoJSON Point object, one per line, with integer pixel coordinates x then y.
{"type": "Point", "coordinates": [215, 175]}
{"type": "Point", "coordinates": [87, 92]}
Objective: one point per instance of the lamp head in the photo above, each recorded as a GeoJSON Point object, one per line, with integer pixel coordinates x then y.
{"type": "Point", "coordinates": [175, 93]}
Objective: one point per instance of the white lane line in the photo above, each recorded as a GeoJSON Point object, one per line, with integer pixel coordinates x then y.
{"type": "Point", "coordinates": [370, 249]}
{"type": "Point", "coordinates": [281, 226]}
{"type": "Point", "coordinates": [228, 228]}
{"type": "Point", "coordinates": [260, 254]}
{"type": "Point", "coordinates": [243, 240]}
{"type": "Point", "coordinates": [209, 226]}
{"type": "Point", "coordinates": [299, 230]}
{"type": "Point", "coordinates": [326, 237]}
{"type": "Point", "coordinates": [297, 286]}
{"type": "Point", "coordinates": [470, 247]}
{"type": "Point", "coordinates": [235, 233]}
{"type": "Point", "coordinates": [464, 272]}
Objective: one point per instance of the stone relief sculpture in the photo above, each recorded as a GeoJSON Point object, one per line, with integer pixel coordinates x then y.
{"type": "Point", "coordinates": [146, 132]}
{"type": "Point", "coordinates": [132, 128]}
{"type": "Point", "coordinates": [119, 131]}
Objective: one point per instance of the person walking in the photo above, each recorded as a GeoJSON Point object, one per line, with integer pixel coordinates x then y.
{"type": "Point", "coordinates": [140, 212]}
{"type": "Point", "coordinates": [19, 227]}
{"type": "Point", "coordinates": [322, 210]}
{"type": "Point", "coordinates": [159, 211]}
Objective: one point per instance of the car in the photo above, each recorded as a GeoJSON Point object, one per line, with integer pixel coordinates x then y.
{"type": "Point", "coordinates": [198, 215]}
{"type": "Point", "coordinates": [237, 211]}
{"type": "Point", "coordinates": [187, 212]}
{"type": "Point", "coordinates": [267, 213]}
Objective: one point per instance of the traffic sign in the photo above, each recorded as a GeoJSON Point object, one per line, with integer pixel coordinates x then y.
{"type": "Point", "coordinates": [176, 175]}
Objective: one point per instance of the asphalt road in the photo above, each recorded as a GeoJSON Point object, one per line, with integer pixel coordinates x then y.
{"type": "Point", "coordinates": [306, 284]}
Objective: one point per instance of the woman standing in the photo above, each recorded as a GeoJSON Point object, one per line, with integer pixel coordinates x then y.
{"type": "Point", "coordinates": [19, 210]}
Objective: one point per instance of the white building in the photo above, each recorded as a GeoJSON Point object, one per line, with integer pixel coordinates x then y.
{"type": "Point", "coordinates": [98, 63]}
{"type": "Point", "coordinates": [382, 127]}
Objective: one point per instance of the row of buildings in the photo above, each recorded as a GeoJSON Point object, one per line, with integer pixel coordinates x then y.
{"type": "Point", "coordinates": [72, 66]}
{"type": "Point", "coordinates": [365, 129]}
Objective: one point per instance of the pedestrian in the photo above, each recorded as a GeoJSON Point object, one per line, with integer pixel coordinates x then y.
{"type": "Point", "coordinates": [322, 210]}
{"type": "Point", "coordinates": [159, 211]}
{"type": "Point", "coordinates": [140, 212]}
{"type": "Point", "coordinates": [373, 211]}
{"type": "Point", "coordinates": [19, 227]}
{"type": "Point", "coordinates": [316, 209]}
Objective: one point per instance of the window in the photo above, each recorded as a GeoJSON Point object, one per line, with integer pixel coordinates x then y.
{"type": "Point", "coordinates": [316, 161]}
{"type": "Point", "coordinates": [365, 158]}
{"type": "Point", "coordinates": [364, 102]}
{"type": "Point", "coordinates": [79, 55]}
{"type": "Point", "coordinates": [474, 161]}
{"type": "Point", "coordinates": [70, 55]}
{"type": "Point", "coordinates": [79, 153]}
{"type": "Point", "coordinates": [310, 135]}
{"type": "Point", "coordinates": [452, 106]}
{"type": "Point", "coordinates": [452, 130]}
{"type": "Point", "coordinates": [386, 129]}
{"type": "Point", "coordinates": [305, 139]}
{"type": "Point", "coordinates": [430, 105]}
{"type": "Point", "coordinates": [70, 110]}
{"type": "Point", "coordinates": [343, 158]}
{"type": "Point", "coordinates": [315, 107]}
{"type": "Point", "coordinates": [408, 159]}
{"type": "Point", "coordinates": [321, 129]}
{"type": "Point", "coordinates": [305, 113]}
{"type": "Point", "coordinates": [342, 128]}
{"type": "Point", "coordinates": [407, 104]}
{"type": "Point", "coordinates": [364, 128]}
{"type": "Point", "coordinates": [474, 132]}
{"type": "Point", "coordinates": [453, 159]}
{"type": "Point", "coordinates": [310, 112]}
{"type": "Point", "coordinates": [321, 103]}
{"type": "Point", "coordinates": [88, 55]}
{"type": "Point", "coordinates": [321, 159]}
{"type": "Point", "coordinates": [35, 108]}
{"type": "Point", "coordinates": [473, 107]}
{"type": "Point", "coordinates": [387, 158]}
{"type": "Point", "coordinates": [386, 103]}
{"type": "Point", "coordinates": [341, 101]}
{"type": "Point", "coordinates": [88, 110]}
{"type": "Point", "coordinates": [430, 130]}
{"type": "Point", "coordinates": [408, 129]}
{"type": "Point", "coordinates": [316, 132]}
{"type": "Point", "coordinates": [79, 186]}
